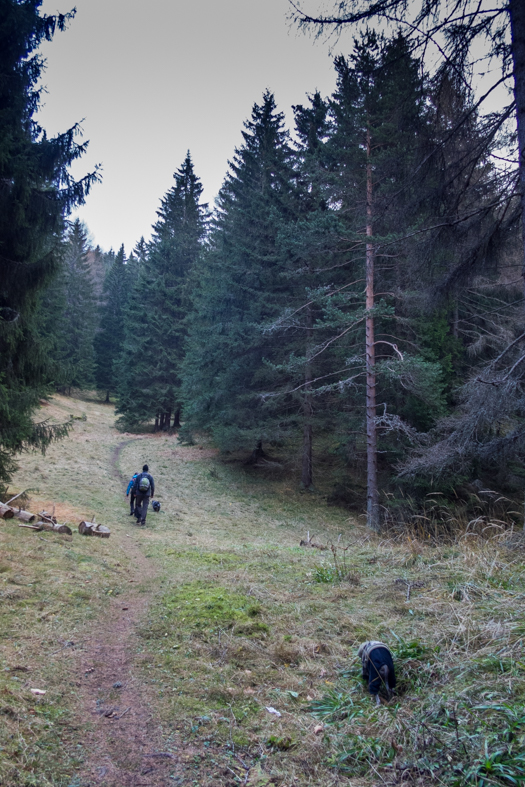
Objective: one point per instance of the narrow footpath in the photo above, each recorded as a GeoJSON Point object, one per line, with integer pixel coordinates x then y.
{"type": "Point", "coordinates": [127, 748]}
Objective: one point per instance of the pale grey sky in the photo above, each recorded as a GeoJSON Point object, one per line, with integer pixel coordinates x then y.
{"type": "Point", "coordinates": [154, 79]}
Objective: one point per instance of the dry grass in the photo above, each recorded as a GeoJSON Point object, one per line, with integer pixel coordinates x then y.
{"type": "Point", "coordinates": [51, 588]}
{"type": "Point", "coordinates": [243, 619]}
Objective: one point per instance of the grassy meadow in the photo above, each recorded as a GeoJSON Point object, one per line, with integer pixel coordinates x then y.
{"type": "Point", "coordinates": [247, 649]}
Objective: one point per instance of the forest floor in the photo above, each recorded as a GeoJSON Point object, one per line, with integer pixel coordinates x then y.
{"type": "Point", "coordinates": [210, 648]}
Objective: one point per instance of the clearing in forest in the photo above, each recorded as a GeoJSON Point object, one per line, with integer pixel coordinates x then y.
{"type": "Point", "coordinates": [210, 648]}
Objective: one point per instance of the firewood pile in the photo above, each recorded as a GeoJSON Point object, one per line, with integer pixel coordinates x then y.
{"type": "Point", "coordinates": [48, 521]}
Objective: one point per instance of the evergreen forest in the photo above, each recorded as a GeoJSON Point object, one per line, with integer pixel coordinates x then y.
{"type": "Point", "coordinates": [349, 312]}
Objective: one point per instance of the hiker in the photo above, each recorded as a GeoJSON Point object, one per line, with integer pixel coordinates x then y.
{"type": "Point", "coordinates": [143, 487]}
{"type": "Point", "coordinates": [132, 498]}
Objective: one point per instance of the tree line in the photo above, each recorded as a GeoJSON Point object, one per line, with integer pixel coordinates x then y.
{"type": "Point", "coordinates": [355, 294]}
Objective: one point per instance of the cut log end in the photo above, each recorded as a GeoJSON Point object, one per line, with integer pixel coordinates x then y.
{"type": "Point", "coordinates": [93, 529]}
{"type": "Point", "coordinates": [8, 512]}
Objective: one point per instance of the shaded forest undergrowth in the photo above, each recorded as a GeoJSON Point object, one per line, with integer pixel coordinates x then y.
{"type": "Point", "coordinates": [229, 619]}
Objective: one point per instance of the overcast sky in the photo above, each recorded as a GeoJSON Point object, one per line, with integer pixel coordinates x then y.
{"type": "Point", "coordinates": [151, 80]}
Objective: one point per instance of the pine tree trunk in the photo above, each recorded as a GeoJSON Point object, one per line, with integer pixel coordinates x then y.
{"type": "Point", "coordinates": [167, 424]}
{"type": "Point", "coordinates": [372, 495]}
{"type": "Point", "coordinates": [517, 26]}
{"type": "Point", "coordinates": [156, 423]}
{"type": "Point", "coordinates": [107, 397]}
{"type": "Point", "coordinates": [306, 470]}
{"type": "Point", "coordinates": [176, 419]}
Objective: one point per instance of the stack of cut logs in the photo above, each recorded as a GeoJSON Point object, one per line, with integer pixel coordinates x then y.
{"type": "Point", "coordinates": [49, 522]}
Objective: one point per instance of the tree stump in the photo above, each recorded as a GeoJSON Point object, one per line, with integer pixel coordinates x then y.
{"type": "Point", "coordinates": [93, 529]}
{"type": "Point", "coordinates": [6, 512]}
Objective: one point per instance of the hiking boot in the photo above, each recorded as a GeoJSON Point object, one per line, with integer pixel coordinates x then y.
{"type": "Point", "coordinates": [131, 513]}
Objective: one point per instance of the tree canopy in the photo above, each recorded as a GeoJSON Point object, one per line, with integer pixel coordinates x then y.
{"type": "Point", "coordinates": [36, 193]}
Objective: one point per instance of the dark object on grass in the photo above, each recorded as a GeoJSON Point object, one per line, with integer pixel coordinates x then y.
{"type": "Point", "coordinates": [155, 505]}
{"type": "Point", "coordinates": [93, 529]}
{"type": "Point", "coordinates": [378, 667]}
{"type": "Point", "coordinates": [310, 543]}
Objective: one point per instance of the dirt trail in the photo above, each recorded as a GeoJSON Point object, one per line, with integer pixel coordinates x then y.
{"type": "Point", "coordinates": [126, 746]}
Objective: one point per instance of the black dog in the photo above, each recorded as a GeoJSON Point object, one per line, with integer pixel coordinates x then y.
{"type": "Point", "coordinates": [378, 667]}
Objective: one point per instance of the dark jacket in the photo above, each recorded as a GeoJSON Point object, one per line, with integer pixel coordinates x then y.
{"type": "Point", "coordinates": [136, 490]}
{"type": "Point", "coordinates": [375, 655]}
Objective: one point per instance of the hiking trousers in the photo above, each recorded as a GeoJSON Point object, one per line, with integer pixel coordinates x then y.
{"type": "Point", "coordinates": [141, 507]}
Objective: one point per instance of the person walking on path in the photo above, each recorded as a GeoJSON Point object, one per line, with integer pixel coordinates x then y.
{"type": "Point", "coordinates": [132, 498]}
{"type": "Point", "coordinates": [144, 488]}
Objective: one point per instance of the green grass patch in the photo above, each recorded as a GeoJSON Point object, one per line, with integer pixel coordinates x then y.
{"type": "Point", "coordinates": [201, 605]}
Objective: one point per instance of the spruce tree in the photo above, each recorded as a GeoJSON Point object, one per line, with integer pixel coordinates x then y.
{"type": "Point", "coordinates": [110, 337]}
{"type": "Point", "coordinates": [240, 289]}
{"type": "Point", "coordinates": [378, 113]}
{"type": "Point", "coordinates": [155, 321]}
{"type": "Point", "coordinates": [37, 192]}
{"type": "Point", "coordinates": [374, 123]}
{"type": "Point", "coordinates": [307, 240]}
{"type": "Point", "coordinates": [136, 260]}
{"type": "Point", "coordinates": [76, 323]}
{"type": "Point", "coordinates": [387, 184]}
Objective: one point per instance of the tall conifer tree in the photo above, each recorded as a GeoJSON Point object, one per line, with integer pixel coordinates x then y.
{"type": "Point", "coordinates": [307, 241]}
{"type": "Point", "coordinates": [241, 288]}
{"type": "Point", "coordinates": [155, 327]}
{"type": "Point", "coordinates": [377, 113]}
{"type": "Point", "coordinates": [110, 338]}
{"type": "Point", "coordinates": [36, 192]}
{"type": "Point", "coordinates": [77, 323]}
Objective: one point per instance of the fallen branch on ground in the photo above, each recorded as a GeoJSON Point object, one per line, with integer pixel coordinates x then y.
{"type": "Point", "coordinates": [51, 527]}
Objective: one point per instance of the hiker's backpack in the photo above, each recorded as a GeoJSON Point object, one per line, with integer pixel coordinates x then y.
{"type": "Point", "coordinates": [144, 485]}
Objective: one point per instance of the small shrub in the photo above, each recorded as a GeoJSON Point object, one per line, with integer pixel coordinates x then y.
{"type": "Point", "coordinates": [324, 573]}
